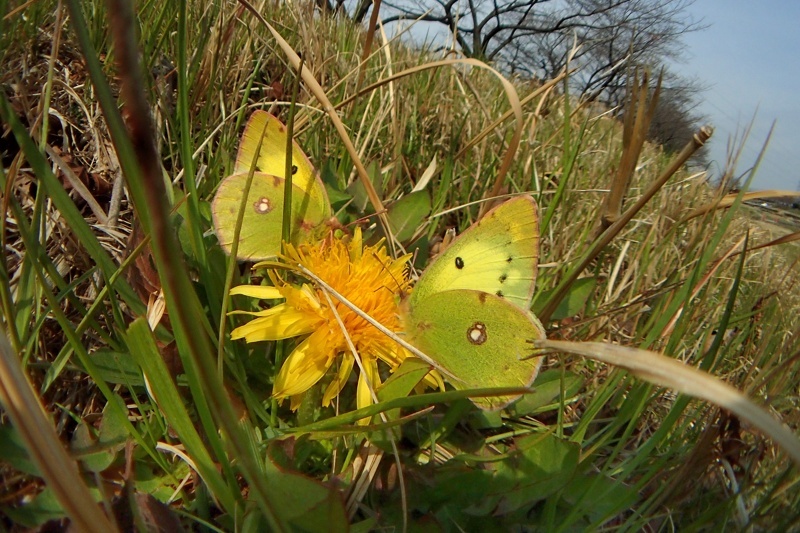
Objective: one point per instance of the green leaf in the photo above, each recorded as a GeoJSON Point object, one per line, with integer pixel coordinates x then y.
{"type": "Point", "coordinates": [487, 419]}
{"type": "Point", "coordinates": [407, 376]}
{"type": "Point", "coordinates": [598, 497]}
{"type": "Point", "coordinates": [306, 504]}
{"type": "Point", "coordinates": [158, 483]}
{"type": "Point", "coordinates": [407, 214]}
{"type": "Point", "coordinates": [84, 446]}
{"type": "Point", "coordinates": [43, 508]}
{"type": "Point", "coordinates": [336, 196]}
{"type": "Point", "coordinates": [505, 491]}
{"type": "Point", "coordinates": [399, 385]}
{"type": "Point", "coordinates": [13, 451]}
{"type": "Point", "coordinates": [97, 451]}
{"type": "Point", "coordinates": [572, 304]}
{"type": "Point", "coordinates": [546, 391]}
{"type": "Point", "coordinates": [545, 465]}
{"type": "Point", "coordinates": [421, 252]}
{"type": "Point", "coordinates": [118, 368]}
{"type": "Point", "coordinates": [360, 199]}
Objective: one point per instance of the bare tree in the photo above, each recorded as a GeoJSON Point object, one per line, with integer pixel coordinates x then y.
{"type": "Point", "coordinates": [676, 117]}
{"type": "Point", "coordinates": [536, 36]}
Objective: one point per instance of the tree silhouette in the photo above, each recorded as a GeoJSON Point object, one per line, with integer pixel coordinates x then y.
{"type": "Point", "coordinates": [536, 37]}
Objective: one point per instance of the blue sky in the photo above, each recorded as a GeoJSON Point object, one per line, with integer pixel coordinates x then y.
{"type": "Point", "coordinates": [748, 57]}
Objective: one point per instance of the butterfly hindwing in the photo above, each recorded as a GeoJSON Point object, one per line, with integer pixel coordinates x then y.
{"type": "Point", "coordinates": [480, 338]}
{"type": "Point", "coordinates": [260, 234]}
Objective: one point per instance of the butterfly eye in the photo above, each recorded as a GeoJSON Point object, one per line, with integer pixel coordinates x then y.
{"type": "Point", "coordinates": [476, 333]}
{"type": "Point", "coordinates": [294, 170]}
{"type": "Point", "coordinates": [459, 263]}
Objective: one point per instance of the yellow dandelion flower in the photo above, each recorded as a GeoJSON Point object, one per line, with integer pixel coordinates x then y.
{"type": "Point", "coordinates": [368, 278]}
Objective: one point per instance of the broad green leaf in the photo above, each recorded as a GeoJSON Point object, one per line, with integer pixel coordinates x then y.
{"type": "Point", "coordinates": [407, 376]}
{"type": "Point", "coordinates": [42, 508]}
{"type": "Point", "coordinates": [336, 196]}
{"type": "Point", "coordinates": [546, 392]}
{"type": "Point", "coordinates": [399, 385]}
{"type": "Point", "coordinates": [360, 199]}
{"type": "Point", "coordinates": [407, 214]}
{"type": "Point", "coordinates": [598, 497]}
{"type": "Point", "coordinates": [13, 451]}
{"type": "Point", "coordinates": [421, 250]}
{"type": "Point", "coordinates": [98, 450]}
{"type": "Point", "coordinates": [572, 304]}
{"type": "Point", "coordinates": [486, 419]}
{"type": "Point", "coordinates": [305, 503]}
{"type": "Point", "coordinates": [117, 367]}
{"type": "Point", "coordinates": [542, 465]}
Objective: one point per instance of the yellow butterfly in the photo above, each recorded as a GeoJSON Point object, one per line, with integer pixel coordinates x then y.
{"type": "Point", "coordinates": [470, 310]}
{"type": "Point", "coordinates": [260, 235]}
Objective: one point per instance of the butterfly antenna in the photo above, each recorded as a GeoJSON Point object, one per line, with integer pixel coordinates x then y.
{"type": "Point", "coordinates": [388, 271]}
{"type": "Point", "coordinates": [366, 217]}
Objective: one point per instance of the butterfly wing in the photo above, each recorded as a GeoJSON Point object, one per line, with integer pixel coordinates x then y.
{"type": "Point", "coordinates": [498, 254]}
{"type": "Point", "coordinates": [266, 136]}
{"type": "Point", "coordinates": [480, 338]}
{"type": "Point", "coordinates": [260, 235]}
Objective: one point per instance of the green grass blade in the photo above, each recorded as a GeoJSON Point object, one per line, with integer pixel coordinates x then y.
{"type": "Point", "coordinates": [43, 444]}
{"type": "Point", "coordinates": [143, 348]}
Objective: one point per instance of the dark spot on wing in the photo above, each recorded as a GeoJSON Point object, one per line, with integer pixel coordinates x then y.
{"type": "Point", "coordinates": [459, 263]}
{"type": "Point", "coordinates": [262, 206]}
{"type": "Point", "coordinates": [509, 259]}
{"type": "Point", "coordinates": [503, 278]}
{"type": "Point", "coordinates": [500, 294]}
{"type": "Point", "coordinates": [482, 297]}
{"type": "Point", "coordinates": [294, 170]}
{"type": "Point", "coordinates": [476, 333]}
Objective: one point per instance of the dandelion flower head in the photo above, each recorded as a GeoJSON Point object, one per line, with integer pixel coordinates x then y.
{"type": "Point", "coordinates": [369, 278]}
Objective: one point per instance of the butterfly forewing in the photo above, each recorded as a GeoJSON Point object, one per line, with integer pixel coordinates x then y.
{"type": "Point", "coordinates": [497, 255]}
{"type": "Point", "coordinates": [266, 136]}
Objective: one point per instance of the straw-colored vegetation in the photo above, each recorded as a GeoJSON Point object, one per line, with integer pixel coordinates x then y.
{"type": "Point", "coordinates": [162, 420]}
